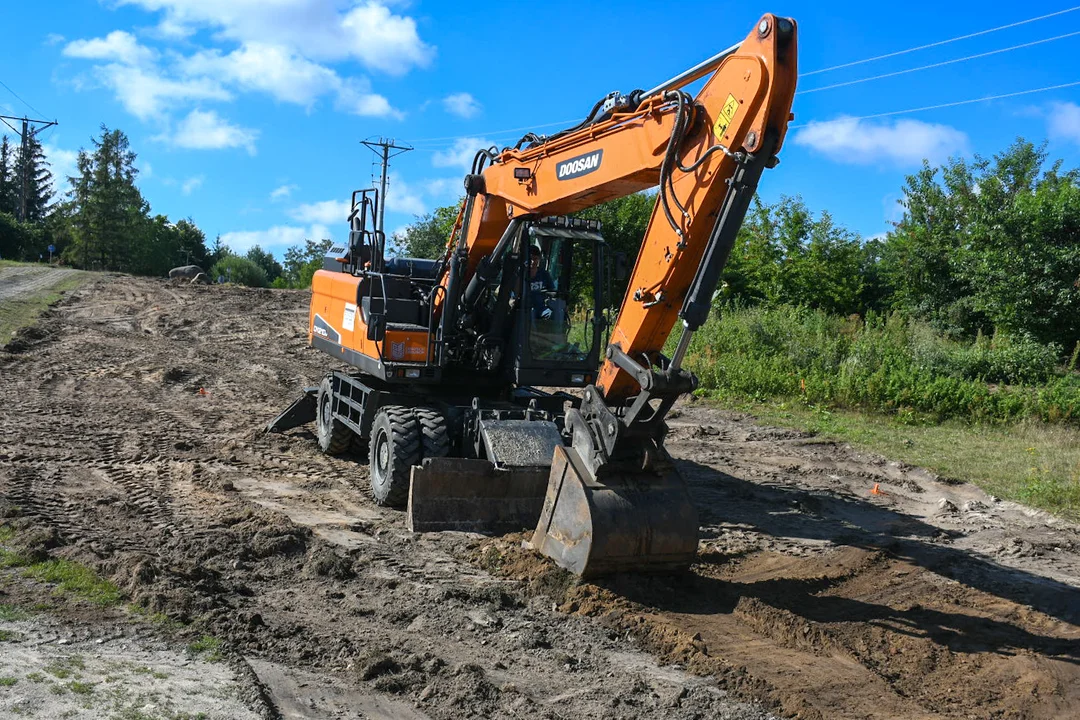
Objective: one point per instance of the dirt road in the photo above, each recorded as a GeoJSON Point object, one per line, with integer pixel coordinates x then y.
{"type": "Point", "coordinates": [132, 428]}
{"type": "Point", "coordinates": [20, 280]}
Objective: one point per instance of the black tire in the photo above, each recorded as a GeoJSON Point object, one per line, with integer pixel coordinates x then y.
{"type": "Point", "coordinates": [434, 433]}
{"type": "Point", "coordinates": [360, 445]}
{"type": "Point", "coordinates": [395, 448]}
{"type": "Point", "coordinates": [334, 438]}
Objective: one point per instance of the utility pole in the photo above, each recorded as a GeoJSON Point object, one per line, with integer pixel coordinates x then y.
{"type": "Point", "coordinates": [384, 146]}
{"type": "Point", "coordinates": [24, 138]}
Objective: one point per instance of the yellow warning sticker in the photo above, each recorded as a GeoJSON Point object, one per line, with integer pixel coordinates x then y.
{"type": "Point", "coordinates": [727, 114]}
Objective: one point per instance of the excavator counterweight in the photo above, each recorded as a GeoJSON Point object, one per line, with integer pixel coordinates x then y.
{"type": "Point", "coordinates": [458, 364]}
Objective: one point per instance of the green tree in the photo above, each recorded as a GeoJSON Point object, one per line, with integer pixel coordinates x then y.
{"type": "Point", "coordinates": [990, 242]}
{"type": "Point", "coordinates": [239, 270]}
{"type": "Point", "coordinates": [15, 237]}
{"type": "Point", "coordinates": [301, 262]}
{"type": "Point", "coordinates": [783, 255]}
{"type": "Point", "coordinates": [428, 235]}
{"type": "Point", "coordinates": [32, 173]}
{"type": "Point", "coordinates": [9, 190]}
{"type": "Point", "coordinates": [112, 229]}
{"type": "Point", "coordinates": [266, 261]}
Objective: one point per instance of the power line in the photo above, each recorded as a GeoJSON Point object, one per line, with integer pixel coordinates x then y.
{"type": "Point", "coordinates": [944, 105]}
{"type": "Point", "coordinates": [20, 99]}
{"type": "Point", "coordinates": [496, 134]}
{"type": "Point", "coordinates": [938, 64]}
{"type": "Point", "coordinates": [940, 42]}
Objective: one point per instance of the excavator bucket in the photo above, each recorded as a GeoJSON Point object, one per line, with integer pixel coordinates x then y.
{"type": "Point", "coordinates": [501, 494]}
{"type": "Point", "coordinates": [640, 522]}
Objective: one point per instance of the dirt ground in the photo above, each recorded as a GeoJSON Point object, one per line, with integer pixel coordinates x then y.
{"type": "Point", "coordinates": [130, 440]}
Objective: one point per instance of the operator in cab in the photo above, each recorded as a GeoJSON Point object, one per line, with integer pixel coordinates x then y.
{"type": "Point", "coordinates": [539, 282]}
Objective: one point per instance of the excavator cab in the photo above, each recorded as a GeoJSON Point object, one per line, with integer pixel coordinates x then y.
{"type": "Point", "coordinates": [560, 321]}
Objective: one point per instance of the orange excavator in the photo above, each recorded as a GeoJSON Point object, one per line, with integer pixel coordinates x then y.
{"type": "Point", "coordinates": [457, 369]}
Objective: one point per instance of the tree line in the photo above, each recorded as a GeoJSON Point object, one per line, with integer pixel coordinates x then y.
{"type": "Point", "coordinates": [104, 223]}
{"type": "Point", "coordinates": [983, 245]}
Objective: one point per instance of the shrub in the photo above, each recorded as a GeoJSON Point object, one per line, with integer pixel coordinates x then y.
{"type": "Point", "coordinates": [885, 362]}
{"type": "Point", "coordinates": [239, 270]}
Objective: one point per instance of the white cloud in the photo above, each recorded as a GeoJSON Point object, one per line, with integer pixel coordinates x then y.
{"type": "Point", "coordinates": [444, 187]}
{"type": "Point", "coordinates": [282, 192]}
{"type": "Point", "coordinates": [146, 94]}
{"type": "Point", "coordinates": [403, 198]}
{"type": "Point", "coordinates": [191, 184]}
{"type": "Point", "coordinates": [204, 130]}
{"type": "Point", "coordinates": [354, 98]}
{"type": "Point", "coordinates": [170, 29]}
{"type": "Point", "coordinates": [54, 39]}
{"type": "Point", "coordinates": [327, 212]}
{"type": "Point", "coordinates": [462, 104]}
{"type": "Point", "coordinates": [276, 239]}
{"type": "Point", "coordinates": [461, 154]}
{"type": "Point", "coordinates": [274, 70]}
{"type": "Point", "coordinates": [905, 142]}
{"type": "Point", "coordinates": [117, 46]}
{"type": "Point", "coordinates": [1063, 121]}
{"type": "Point", "coordinates": [368, 32]}
{"type": "Point", "coordinates": [62, 164]}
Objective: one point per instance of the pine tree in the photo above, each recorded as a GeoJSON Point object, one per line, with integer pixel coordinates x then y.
{"type": "Point", "coordinates": [9, 193]}
{"type": "Point", "coordinates": [110, 218]}
{"type": "Point", "coordinates": [32, 174]}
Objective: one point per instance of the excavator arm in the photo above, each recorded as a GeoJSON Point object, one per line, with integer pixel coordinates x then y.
{"type": "Point", "coordinates": [613, 500]}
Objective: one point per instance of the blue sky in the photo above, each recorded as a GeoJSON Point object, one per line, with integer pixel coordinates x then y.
{"type": "Point", "coordinates": [247, 115]}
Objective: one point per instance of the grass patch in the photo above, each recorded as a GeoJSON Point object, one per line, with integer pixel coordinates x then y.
{"type": "Point", "coordinates": [81, 688]}
{"type": "Point", "coordinates": [12, 613]}
{"type": "Point", "coordinates": [207, 644]}
{"type": "Point", "coordinates": [71, 577]}
{"type": "Point", "coordinates": [35, 677]}
{"type": "Point", "coordinates": [8, 681]}
{"type": "Point", "coordinates": [23, 311]}
{"type": "Point", "coordinates": [1029, 462]}
{"type": "Point", "coordinates": [8, 635]}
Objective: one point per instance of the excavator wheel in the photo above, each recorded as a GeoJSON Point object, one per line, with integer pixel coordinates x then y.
{"type": "Point", "coordinates": [434, 433]}
{"type": "Point", "coordinates": [334, 438]}
{"type": "Point", "coordinates": [395, 448]}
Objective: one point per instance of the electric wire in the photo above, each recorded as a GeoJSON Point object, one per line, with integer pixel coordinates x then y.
{"type": "Point", "coordinates": [938, 64]}
{"type": "Point", "coordinates": [534, 138]}
{"type": "Point", "coordinates": [21, 100]}
{"type": "Point", "coordinates": [944, 105]}
{"type": "Point", "coordinates": [939, 43]}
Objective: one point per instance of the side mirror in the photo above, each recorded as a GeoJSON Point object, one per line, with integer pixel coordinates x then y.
{"type": "Point", "coordinates": [376, 327]}
{"type": "Point", "coordinates": [620, 270]}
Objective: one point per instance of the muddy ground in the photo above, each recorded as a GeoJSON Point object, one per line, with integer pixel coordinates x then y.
{"type": "Point", "coordinates": [130, 439]}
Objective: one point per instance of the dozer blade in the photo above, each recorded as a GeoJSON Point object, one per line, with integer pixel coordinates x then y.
{"type": "Point", "coordinates": [642, 522]}
{"type": "Point", "coordinates": [474, 496]}
{"type": "Point", "coordinates": [500, 495]}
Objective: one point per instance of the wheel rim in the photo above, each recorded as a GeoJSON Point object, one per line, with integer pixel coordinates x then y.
{"type": "Point", "coordinates": [382, 456]}
{"type": "Point", "coordinates": [325, 414]}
